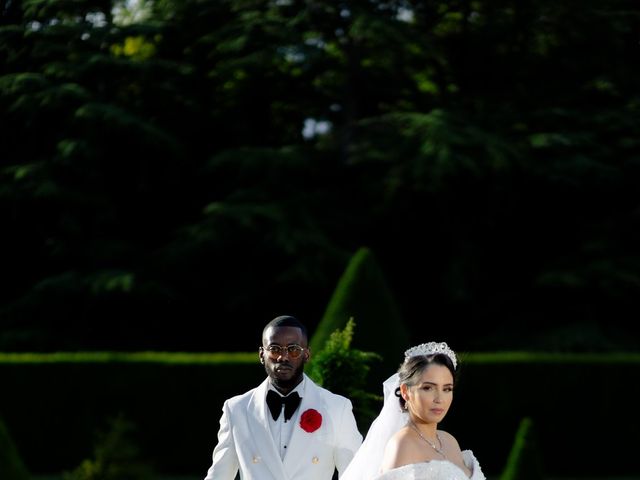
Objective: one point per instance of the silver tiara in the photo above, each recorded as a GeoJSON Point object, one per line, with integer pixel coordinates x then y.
{"type": "Point", "coordinates": [431, 348]}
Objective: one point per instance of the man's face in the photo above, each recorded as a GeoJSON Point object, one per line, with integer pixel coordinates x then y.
{"type": "Point", "coordinates": [284, 367]}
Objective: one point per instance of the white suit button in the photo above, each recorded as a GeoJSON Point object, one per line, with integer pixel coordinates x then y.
{"type": "Point", "coordinates": [256, 459]}
{"type": "Point", "coordinates": [315, 460]}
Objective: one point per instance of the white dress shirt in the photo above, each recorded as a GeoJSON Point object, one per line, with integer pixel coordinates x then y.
{"type": "Point", "coordinates": [281, 429]}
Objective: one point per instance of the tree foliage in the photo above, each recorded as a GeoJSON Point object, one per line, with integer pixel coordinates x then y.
{"type": "Point", "coordinates": [226, 157]}
{"type": "Point", "coordinates": [344, 370]}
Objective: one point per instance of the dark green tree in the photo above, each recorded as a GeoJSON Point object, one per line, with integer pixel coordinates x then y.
{"type": "Point", "coordinates": [235, 153]}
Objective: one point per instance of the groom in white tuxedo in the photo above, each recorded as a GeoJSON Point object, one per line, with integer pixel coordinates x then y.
{"type": "Point", "coordinates": [288, 427]}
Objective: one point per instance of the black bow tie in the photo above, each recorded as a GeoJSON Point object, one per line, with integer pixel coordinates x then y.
{"type": "Point", "coordinates": [275, 402]}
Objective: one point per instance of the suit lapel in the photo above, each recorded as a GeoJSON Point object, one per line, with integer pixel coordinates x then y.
{"type": "Point", "coordinates": [298, 445]}
{"type": "Point", "coordinates": [257, 412]}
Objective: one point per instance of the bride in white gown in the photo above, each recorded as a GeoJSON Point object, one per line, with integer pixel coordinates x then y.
{"type": "Point", "coordinates": [403, 442]}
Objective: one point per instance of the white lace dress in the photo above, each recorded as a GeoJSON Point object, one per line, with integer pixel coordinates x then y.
{"type": "Point", "coordinates": [436, 470]}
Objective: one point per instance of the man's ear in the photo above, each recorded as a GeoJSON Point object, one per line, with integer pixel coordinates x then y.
{"type": "Point", "coordinates": [261, 355]}
{"type": "Point", "coordinates": [307, 355]}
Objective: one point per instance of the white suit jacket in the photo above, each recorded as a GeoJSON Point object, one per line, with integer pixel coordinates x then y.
{"type": "Point", "coordinates": [245, 442]}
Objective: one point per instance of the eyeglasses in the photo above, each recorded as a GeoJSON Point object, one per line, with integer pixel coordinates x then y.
{"type": "Point", "coordinates": [276, 351]}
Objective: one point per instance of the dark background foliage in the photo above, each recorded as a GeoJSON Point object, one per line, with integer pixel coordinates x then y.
{"type": "Point", "coordinates": [161, 177]}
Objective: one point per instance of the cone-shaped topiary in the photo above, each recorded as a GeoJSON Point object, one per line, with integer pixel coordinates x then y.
{"type": "Point", "coordinates": [362, 293]}
{"type": "Point", "coordinates": [11, 466]}
{"type": "Point", "coordinates": [524, 461]}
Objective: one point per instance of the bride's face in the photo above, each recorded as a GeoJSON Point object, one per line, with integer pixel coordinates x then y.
{"type": "Point", "coordinates": [429, 400]}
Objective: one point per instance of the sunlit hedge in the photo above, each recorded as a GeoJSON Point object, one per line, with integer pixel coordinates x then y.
{"type": "Point", "coordinates": [54, 404]}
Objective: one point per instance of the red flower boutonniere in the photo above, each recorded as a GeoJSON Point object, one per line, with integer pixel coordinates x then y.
{"type": "Point", "coordinates": [310, 420]}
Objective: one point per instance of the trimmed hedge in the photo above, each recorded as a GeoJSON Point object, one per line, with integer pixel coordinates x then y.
{"type": "Point", "coordinates": [53, 406]}
{"type": "Point", "coordinates": [11, 465]}
{"type": "Point", "coordinates": [563, 395]}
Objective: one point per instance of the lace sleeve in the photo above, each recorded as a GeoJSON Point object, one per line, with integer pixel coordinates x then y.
{"type": "Point", "coordinates": [472, 464]}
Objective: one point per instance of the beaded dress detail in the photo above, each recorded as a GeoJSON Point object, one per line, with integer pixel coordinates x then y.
{"type": "Point", "coordinates": [436, 470]}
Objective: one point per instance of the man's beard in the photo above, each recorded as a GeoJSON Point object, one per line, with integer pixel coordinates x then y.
{"type": "Point", "coordinates": [286, 384]}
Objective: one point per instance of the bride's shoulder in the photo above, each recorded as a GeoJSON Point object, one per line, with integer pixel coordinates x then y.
{"type": "Point", "coordinates": [401, 449]}
{"type": "Point", "coordinates": [400, 436]}
{"type": "Point", "coordinates": [448, 438]}
{"type": "Point", "coordinates": [398, 442]}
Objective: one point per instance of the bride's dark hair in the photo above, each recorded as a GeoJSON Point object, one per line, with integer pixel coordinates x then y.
{"type": "Point", "coordinates": [412, 368]}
